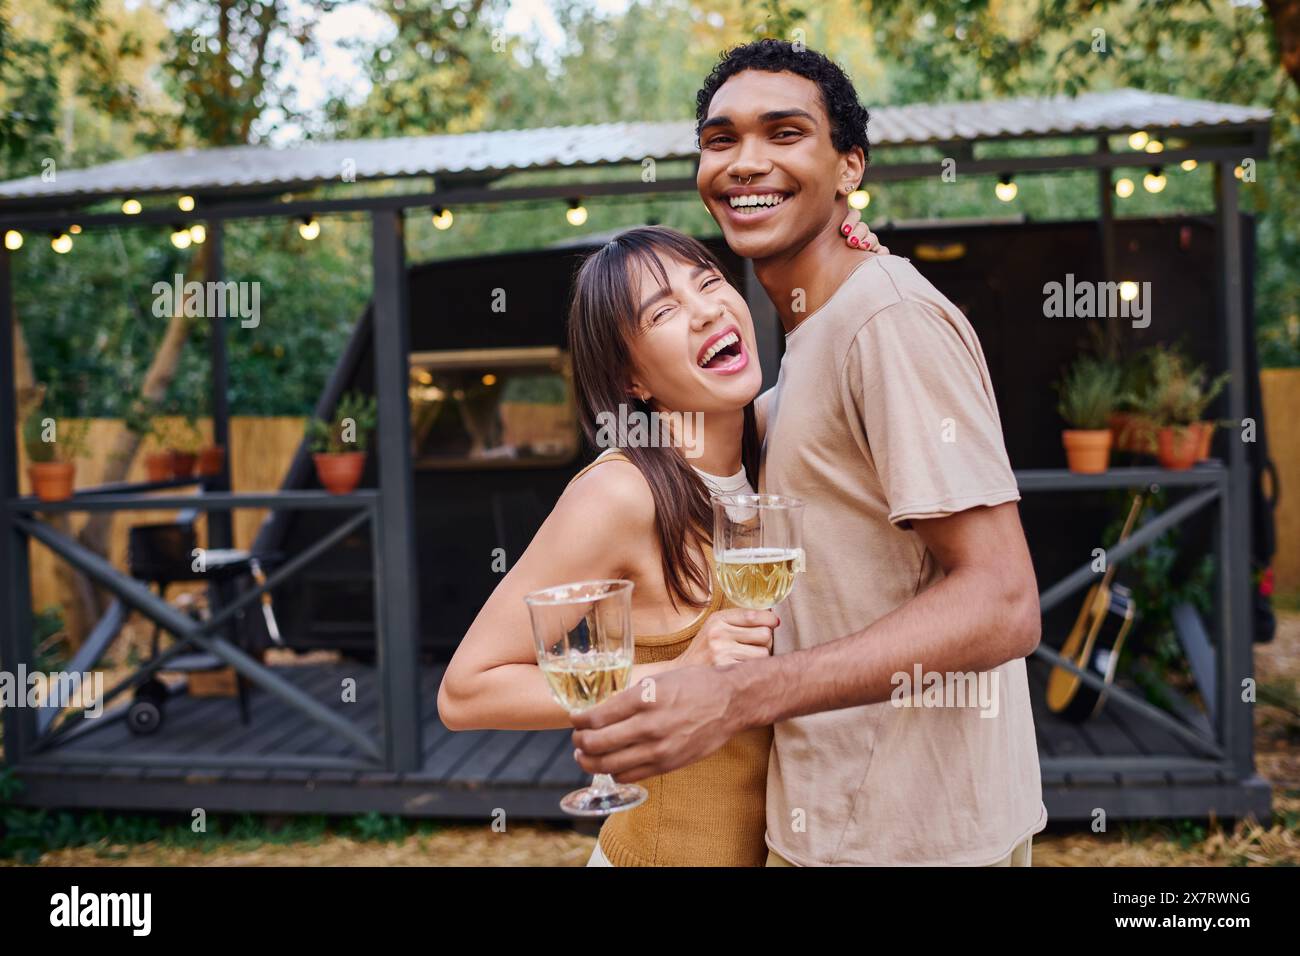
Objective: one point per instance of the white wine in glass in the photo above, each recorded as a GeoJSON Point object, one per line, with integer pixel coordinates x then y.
{"type": "Point", "coordinates": [757, 547]}
{"type": "Point", "coordinates": [583, 637]}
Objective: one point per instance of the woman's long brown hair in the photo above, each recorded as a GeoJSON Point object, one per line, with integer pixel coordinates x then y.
{"type": "Point", "coordinates": [604, 318]}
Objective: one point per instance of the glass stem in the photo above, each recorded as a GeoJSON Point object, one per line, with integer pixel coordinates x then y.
{"type": "Point", "coordinates": [602, 784]}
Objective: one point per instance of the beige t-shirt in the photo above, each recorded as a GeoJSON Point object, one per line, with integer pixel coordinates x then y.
{"type": "Point", "coordinates": [884, 412]}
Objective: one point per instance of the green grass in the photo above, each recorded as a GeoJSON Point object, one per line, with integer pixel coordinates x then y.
{"type": "Point", "coordinates": [28, 834]}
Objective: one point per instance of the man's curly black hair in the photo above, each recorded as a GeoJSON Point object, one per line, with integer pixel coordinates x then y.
{"type": "Point", "coordinates": [848, 116]}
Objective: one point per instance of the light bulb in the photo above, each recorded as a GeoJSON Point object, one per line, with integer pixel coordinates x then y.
{"type": "Point", "coordinates": [576, 213]}
{"type": "Point", "coordinates": [1128, 290]}
{"type": "Point", "coordinates": [1187, 165]}
{"type": "Point", "coordinates": [1006, 190]}
{"type": "Point", "coordinates": [186, 203]}
{"type": "Point", "coordinates": [181, 237]}
{"type": "Point", "coordinates": [62, 243]}
{"type": "Point", "coordinates": [859, 199]}
{"type": "Point", "coordinates": [1155, 146]}
{"type": "Point", "coordinates": [1138, 140]}
{"type": "Point", "coordinates": [1124, 188]}
{"type": "Point", "coordinates": [198, 232]}
{"type": "Point", "coordinates": [13, 240]}
{"type": "Point", "coordinates": [309, 229]}
{"type": "Point", "coordinates": [442, 218]}
{"type": "Point", "coordinates": [131, 207]}
{"type": "Point", "coordinates": [1154, 181]}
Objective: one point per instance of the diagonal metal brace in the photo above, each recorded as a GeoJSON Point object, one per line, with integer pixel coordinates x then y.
{"type": "Point", "coordinates": [284, 572]}
{"type": "Point", "coordinates": [138, 596]}
{"type": "Point", "coordinates": [1078, 580]}
{"type": "Point", "coordinates": [1131, 701]}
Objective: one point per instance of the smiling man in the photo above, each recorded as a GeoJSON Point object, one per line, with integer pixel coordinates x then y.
{"type": "Point", "coordinates": [883, 421]}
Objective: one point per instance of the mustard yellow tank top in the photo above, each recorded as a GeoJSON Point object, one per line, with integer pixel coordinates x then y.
{"type": "Point", "coordinates": [711, 813]}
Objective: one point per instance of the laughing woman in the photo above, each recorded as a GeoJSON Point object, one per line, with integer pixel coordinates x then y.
{"type": "Point", "coordinates": [655, 327]}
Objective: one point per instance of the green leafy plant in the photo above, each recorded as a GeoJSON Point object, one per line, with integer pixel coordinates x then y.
{"type": "Point", "coordinates": [69, 438]}
{"type": "Point", "coordinates": [183, 435]}
{"type": "Point", "coordinates": [1089, 393]}
{"type": "Point", "coordinates": [139, 419]}
{"type": "Point", "coordinates": [1177, 393]}
{"type": "Point", "coordinates": [349, 430]}
{"type": "Point", "coordinates": [536, 390]}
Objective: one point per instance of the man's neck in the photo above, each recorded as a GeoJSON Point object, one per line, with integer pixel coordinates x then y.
{"type": "Point", "coordinates": [799, 281]}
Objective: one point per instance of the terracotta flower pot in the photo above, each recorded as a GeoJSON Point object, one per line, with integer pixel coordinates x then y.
{"type": "Point", "coordinates": [183, 463]}
{"type": "Point", "coordinates": [339, 472]}
{"type": "Point", "coordinates": [1087, 451]}
{"type": "Point", "coordinates": [52, 480]}
{"type": "Point", "coordinates": [1178, 446]}
{"type": "Point", "coordinates": [211, 459]}
{"type": "Point", "coordinates": [158, 466]}
{"type": "Point", "coordinates": [1133, 432]}
{"type": "Point", "coordinates": [1206, 429]}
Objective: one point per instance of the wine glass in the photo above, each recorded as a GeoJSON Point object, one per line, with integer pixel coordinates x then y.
{"type": "Point", "coordinates": [583, 636]}
{"type": "Point", "coordinates": [757, 547]}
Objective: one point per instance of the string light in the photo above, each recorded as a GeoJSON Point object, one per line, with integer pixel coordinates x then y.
{"type": "Point", "coordinates": [442, 218]}
{"type": "Point", "coordinates": [131, 207]}
{"type": "Point", "coordinates": [61, 243]}
{"type": "Point", "coordinates": [1155, 146]}
{"type": "Point", "coordinates": [198, 233]}
{"type": "Point", "coordinates": [1124, 188]}
{"type": "Point", "coordinates": [181, 238]}
{"type": "Point", "coordinates": [1139, 139]}
{"type": "Point", "coordinates": [1187, 165]}
{"type": "Point", "coordinates": [309, 228]}
{"type": "Point", "coordinates": [74, 229]}
{"type": "Point", "coordinates": [185, 203]}
{"type": "Point", "coordinates": [1154, 181]}
{"type": "Point", "coordinates": [13, 240]}
{"type": "Point", "coordinates": [1239, 172]}
{"type": "Point", "coordinates": [576, 213]}
{"type": "Point", "coordinates": [1006, 189]}
{"type": "Point", "coordinates": [1128, 290]}
{"type": "Point", "coordinates": [859, 199]}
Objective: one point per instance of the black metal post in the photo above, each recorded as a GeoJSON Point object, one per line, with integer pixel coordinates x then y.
{"type": "Point", "coordinates": [1236, 645]}
{"type": "Point", "coordinates": [219, 522]}
{"type": "Point", "coordinates": [15, 587]}
{"type": "Point", "coordinates": [396, 600]}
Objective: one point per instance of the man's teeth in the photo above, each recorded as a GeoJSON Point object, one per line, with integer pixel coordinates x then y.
{"type": "Point", "coordinates": [756, 199]}
{"type": "Point", "coordinates": [729, 339]}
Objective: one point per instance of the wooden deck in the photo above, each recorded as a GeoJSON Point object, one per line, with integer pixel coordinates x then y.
{"type": "Point", "coordinates": [470, 775]}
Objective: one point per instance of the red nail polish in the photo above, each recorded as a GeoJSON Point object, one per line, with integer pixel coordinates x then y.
{"type": "Point", "coordinates": [853, 240]}
{"type": "Point", "coordinates": [846, 230]}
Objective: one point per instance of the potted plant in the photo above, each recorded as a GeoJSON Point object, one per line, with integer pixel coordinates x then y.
{"type": "Point", "coordinates": [52, 450]}
{"type": "Point", "coordinates": [1131, 429]}
{"type": "Point", "coordinates": [212, 458]}
{"type": "Point", "coordinates": [536, 417]}
{"type": "Point", "coordinates": [339, 445]}
{"type": "Point", "coordinates": [1088, 395]}
{"type": "Point", "coordinates": [184, 441]}
{"type": "Point", "coordinates": [1176, 397]}
{"type": "Point", "coordinates": [139, 420]}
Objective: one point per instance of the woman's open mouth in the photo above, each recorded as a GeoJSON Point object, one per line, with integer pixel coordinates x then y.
{"type": "Point", "coordinates": [724, 353]}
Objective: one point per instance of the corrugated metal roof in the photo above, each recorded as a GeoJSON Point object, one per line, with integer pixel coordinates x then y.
{"type": "Point", "coordinates": [198, 171]}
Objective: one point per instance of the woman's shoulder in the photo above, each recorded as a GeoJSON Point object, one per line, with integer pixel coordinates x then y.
{"type": "Point", "coordinates": [611, 487]}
